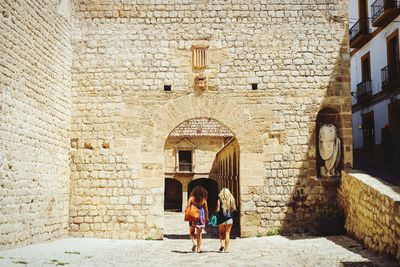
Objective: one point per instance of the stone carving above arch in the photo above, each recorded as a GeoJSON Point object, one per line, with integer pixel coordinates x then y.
{"type": "Point", "coordinates": [212, 106]}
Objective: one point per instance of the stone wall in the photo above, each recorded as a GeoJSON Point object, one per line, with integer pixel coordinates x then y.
{"type": "Point", "coordinates": [35, 119]}
{"type": "Point", "coordinates": [372, 211]}
{"type": "Point", "coordinates": [126, 51]}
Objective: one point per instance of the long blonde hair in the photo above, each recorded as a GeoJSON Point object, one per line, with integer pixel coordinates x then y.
{"type": "Point", "coordinates": [228, 201]}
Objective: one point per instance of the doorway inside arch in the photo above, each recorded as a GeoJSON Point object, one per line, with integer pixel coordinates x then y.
{"type": "Point", "coordinates": [212, 190]}
{"type": "Point", "coordinates": [172, 195]}
{"type": "Point", "coordinates": [199, 151]}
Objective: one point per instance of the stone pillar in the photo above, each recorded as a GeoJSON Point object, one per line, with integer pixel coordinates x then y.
{"type": "Point", "coordinates": [185, 186]}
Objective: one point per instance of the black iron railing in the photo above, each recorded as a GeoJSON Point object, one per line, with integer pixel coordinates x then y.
{"type": "Point", "coordinates": [185, 167]}
{"type": "Point", "coordinates": [390, 73]}
{"type": "Point", "coordinates": [360, 27]}
{"type": "Point", "coordinates": [379, 7]}
{"type": "Point", "coordinates": [364, 89]}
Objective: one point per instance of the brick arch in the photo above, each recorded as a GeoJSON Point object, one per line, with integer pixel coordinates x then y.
{"type": "Point", "coordinates": [238, 121]}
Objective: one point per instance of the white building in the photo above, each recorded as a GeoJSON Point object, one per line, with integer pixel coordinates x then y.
{"type": "Point", "coordinates": [375, 79]}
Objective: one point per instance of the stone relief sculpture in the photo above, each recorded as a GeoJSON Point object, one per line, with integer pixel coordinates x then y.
{"type": "Point", "coordinates": [329, 149]}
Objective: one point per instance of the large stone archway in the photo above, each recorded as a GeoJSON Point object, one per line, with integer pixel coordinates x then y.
{"type": "Point", "coordinates": [212, 106]}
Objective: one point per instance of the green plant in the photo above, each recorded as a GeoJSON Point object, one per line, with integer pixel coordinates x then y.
{"type": "Point", "coordinates": [149, 238]}
{"type": "Point", "coordinates": [60, 263]}
{"type": "Point", "coordinates": [273, 231]}
{"type": "Point", "coordinates": [1, 257]}
{"type": "Point", "coordinates": [270, 232]}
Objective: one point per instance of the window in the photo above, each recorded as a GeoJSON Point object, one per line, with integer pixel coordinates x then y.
{"type": "Point", "coordinates": [199, 57]}
{"type": "Point", "coordinates": [392, 45]}
{"type": "Point", "coordinates": [184, 156]}
{"type": "Point", "coordinates": [366, 67]}
{"type": "Point", "coordinates": [185, 161]}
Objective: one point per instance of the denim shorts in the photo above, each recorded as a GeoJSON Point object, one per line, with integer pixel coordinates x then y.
{"type": "Point", "coordinates": [230, 221]}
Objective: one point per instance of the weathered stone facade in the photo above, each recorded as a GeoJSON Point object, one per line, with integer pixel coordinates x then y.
{"type": "Point", "coordinates": [35, 121]}
{"type": "Point", "coordinates": [125, 52]}
{"type": "Point", "coordinates": [372, 211]}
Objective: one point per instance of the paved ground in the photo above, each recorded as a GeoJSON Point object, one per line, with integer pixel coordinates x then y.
{"type": "Point", "coordinates": [175, 251]}
{"type": "Point", "coordinates": [264, 251]}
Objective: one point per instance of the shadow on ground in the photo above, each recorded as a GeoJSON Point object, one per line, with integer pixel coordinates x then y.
{"type": "Point", "coordinates": [371, 258]}
{"type": "Point", "coordinates": [211, 232]}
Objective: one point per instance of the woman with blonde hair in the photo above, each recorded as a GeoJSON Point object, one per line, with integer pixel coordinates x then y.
{"type": "Point", "coordinates": [225, 208]}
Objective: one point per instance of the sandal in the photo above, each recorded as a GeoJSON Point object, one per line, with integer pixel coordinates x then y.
{"type": "Point", "coordinates": [193, 248]}
{"type": "Point", "coordinates": [221, 249]}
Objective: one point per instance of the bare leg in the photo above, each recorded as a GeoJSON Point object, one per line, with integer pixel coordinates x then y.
{"type": "Point", "coordinates": [198, 233]}
{"type": "Point", "coordinates": [227, 236]}
{"type": "Point", "coordinates": [192, 237]}
{"type": "Point", "coordinates": [221, 235]}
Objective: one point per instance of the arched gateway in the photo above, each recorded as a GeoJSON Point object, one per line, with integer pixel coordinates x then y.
{"type": "Point", "coordinates": [239, 122]}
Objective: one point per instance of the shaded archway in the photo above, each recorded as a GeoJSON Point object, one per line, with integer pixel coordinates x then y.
{"type": "Point", "coordinates": [192, 154]}
{"type": "Point", "coordinates": [172, 195]}
{"type": "Point", "coordinates": [212, 189]}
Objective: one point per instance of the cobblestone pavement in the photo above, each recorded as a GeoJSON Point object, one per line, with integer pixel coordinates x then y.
{"type": "Point", "coordinates": [263, 251]}
{"type": "Point", "coordinates": [175, 251]}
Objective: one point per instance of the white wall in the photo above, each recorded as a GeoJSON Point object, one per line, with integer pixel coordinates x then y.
{"type": "Point", "coordinates": [377, 49]}
{"type": "Point", "coordinates": [380, 119]}
{"type": "Point", "coordinates": [378, 56]}
{"type": "Point", "coordinates": [353, 12]}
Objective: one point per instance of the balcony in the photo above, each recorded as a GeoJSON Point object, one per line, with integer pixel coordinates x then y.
{"type": "Point", "coordinates": [185, 167]}
{"type": "Point", "coordinates": [364, 92]}
{"type": "Point", "coordinates": [359, 34]}
{"type": "Point", "coordinates": [391, 76]}
{"type": "Point", "coordinates": [384, 11]}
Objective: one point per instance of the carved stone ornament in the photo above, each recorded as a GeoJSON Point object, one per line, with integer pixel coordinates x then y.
{"type": "Point", "coordinates": [200, 82]}
{"type": "Point", "coordinates": [329, 149]}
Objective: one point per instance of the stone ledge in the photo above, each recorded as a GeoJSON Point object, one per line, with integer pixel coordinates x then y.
{"type": "Point", "coordinates": [372, 211]}
{"type": "Point", "coordinates": [392, 192]}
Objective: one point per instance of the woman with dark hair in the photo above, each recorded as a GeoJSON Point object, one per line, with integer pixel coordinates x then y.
{"type": "Point", "coordinates": [198, 198]}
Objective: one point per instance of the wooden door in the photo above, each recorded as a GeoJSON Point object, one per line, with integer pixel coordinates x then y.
{"type": "Point", "coordinates": [368, 134]}
{"type": "Point", "coordinates": [366, 67]}
{"type": "Point", "coordinates": [392, 45]}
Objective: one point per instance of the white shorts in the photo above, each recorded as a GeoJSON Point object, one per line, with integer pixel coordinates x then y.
{"type": "Point", "coordinates": [230, 221]}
